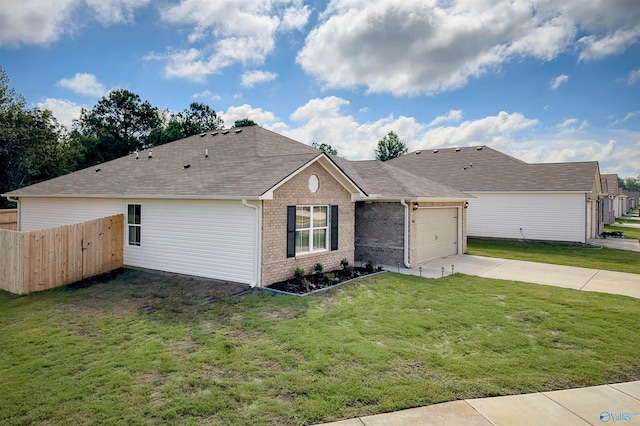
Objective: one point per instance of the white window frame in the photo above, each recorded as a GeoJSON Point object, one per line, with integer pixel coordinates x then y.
{"type": "Point", "coordinates": [311, 228]}
{"type": "Point", "coordinates": [132, 225]}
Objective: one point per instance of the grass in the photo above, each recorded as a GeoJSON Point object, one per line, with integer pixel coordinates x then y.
{"type": "Point", "coordinates": [629, 232]}
{"type": "Point", "coordinates": [90, 355]}
{"type": "Point", "coordinates": [584, 256]}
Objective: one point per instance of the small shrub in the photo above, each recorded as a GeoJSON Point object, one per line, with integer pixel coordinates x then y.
{"type": "Point", "coordinates": [370, 266]}
{"type": "Point", "coordinates": [307, 285]}
{"type": "Point", "coordinates": [318, 267]}
{"type": "Point", "coordinates": [298, 273]}
{"type": "Point", "coordinates": [331, 278]}
{"type": "Point", "coordinates": [344, 263]}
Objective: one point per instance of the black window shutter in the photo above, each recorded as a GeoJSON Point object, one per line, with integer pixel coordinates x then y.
{"type": "Point", "coordinates": [291, 231]}
{"type": "Point", "coordinates": [334, 227]}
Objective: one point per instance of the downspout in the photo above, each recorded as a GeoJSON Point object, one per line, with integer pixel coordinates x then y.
{"type": "Point", "coordinates": [406, 233]}
{"type": "Point", "coordinates": [258, 256]}
{"type": "Point", "coordinates": [586, 218]}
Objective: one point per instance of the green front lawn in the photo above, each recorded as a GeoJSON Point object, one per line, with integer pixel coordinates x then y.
{"type": "Point", "coordinates": [584, 256]}
{"type": "Point", "coordinates": [389, 342]}
{"type": "Point", "coordinates": [629, 232]}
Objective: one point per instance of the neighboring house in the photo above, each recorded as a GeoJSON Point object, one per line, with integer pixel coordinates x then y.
{"type": "Point", "coordinates": [619, 201]}
{"type": "Point", "coordinates": [515, 199]}
{"type": "Point", "coordinates": [251, 206]}
{"type": "Point", "coordinates": [606, 205]}
{"type": "Point", "coordinates": [633, 198]}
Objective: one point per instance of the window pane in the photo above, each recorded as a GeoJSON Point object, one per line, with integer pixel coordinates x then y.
{"type": "Point", "coordinates": [319, 216]}
{"type": "Point", "coordinates": [134, 235]}
{"type": "Point", "coordinates": [133, 217]}
{"type": "Point", "coordinates": [303, 217]}
{"type": "Point", "coordinates": [319, 239]}
{"type": "Point", "coordinates": [302, 241]}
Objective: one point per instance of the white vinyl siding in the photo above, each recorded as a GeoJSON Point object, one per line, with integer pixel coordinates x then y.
{"type": "Point", "coordinates": [41, 213]}
{"type": "Point", "coordinates": [437, 233]}
{"type": "Point", "coordinates": [534, 216]}
{"type": "Point", "coordinates": [207, 238]}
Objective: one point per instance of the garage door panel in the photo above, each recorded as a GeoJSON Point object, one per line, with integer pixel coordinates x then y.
{"type": "Point", "coordinates": [437, 233]}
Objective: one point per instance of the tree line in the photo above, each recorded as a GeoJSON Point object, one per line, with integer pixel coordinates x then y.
{"type": "Point", "coordinates": [35, 147]}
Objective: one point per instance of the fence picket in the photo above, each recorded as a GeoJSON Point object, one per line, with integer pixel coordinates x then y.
{"type": "Point", "coordinates": [48, 258]}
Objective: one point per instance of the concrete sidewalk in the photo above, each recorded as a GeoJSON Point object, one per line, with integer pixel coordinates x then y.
{"type": "Point", "coordinates": [598, 405]}
{"type": "Point", "coordinates": [539, 273]}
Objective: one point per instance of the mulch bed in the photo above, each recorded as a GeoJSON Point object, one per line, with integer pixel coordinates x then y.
{"type": "Point", "coordinates": [314, 282]}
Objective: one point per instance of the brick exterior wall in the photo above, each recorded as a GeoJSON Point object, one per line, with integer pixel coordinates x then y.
{"type": "Point", "coordinates": [275, 264]}
{"type": "Point", "coordinates": [380, 233]}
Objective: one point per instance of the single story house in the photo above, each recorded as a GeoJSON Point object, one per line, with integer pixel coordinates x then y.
{"type": "Point", "coordinates": [250, 206]}
{"type": "Point", "coordinates": [609, 197]}
{"type": "Point", "coordinates": [514, 199]}
{"type": "Point", "coordinates": [619, 200]}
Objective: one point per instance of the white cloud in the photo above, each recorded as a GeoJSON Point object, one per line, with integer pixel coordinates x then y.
{"type": "Point", "coordinates": [251, 78]}
{"type": "Point", "coordinates": [571, 125]}
{"type": "Point", "coordinates": [207, 94]}
{"type": "Point", "coordinates": [425, 47]}
{"type": "Point", "coordinates": [29, 22]}
{"type": "Point", "coordinates": [227, 32]}
{"type": "Point", "coordinates": [45, 21]}
{"type": "Point", "coordinates": [628, 116]}
{"type": "Point", "coordinates": [265, 119]}
{"type": "Point", "coordinates": [84, 84]}
{"type": "Point", "coordinates": [454, 115]}
{"type": "Point", "coordinates": [611, 44]}
{"type": "Point", "coordinates": [64, 111]}
{"type": "Point", "coordinates": [496, 130]}
{"type": "Point", "coordinates": [115, 11]}
{"type": "Point", "coordinates": [558, 81]}
{"type": "Point", "coordinates": [633, 78]}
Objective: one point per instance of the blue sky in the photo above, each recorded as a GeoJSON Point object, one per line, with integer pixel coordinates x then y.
{"type": "Point", "coordinates": [540, 80]}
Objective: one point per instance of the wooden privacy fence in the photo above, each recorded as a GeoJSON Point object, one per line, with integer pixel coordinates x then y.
{"type": "Point", "coordinates": [47, 258]}
{"type": "Point", "coordinates": [9, 219]}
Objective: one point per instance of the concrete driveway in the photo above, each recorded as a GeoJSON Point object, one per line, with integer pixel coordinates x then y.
{"type": "Point", "coordinates": [539, 273]}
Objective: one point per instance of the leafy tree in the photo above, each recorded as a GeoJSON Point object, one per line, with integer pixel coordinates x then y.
{"type": "Point", "coordinates": [199, 118]}
{"type": "Point", "coordinates": [33, 146]}
{"type": "Point", "coordinates": [244, 122]}
{"type": "Point", "coordinates": [390, 147]}
{"type": "Point", "coordinates": [630, 184]}
{"type": "Point", "coordinates": [327, 149]}
{"type": "Point", "coordinates": [117, 125]}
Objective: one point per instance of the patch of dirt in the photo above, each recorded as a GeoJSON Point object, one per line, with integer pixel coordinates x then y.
{"type": "Point", "coordinates": [312, 282]}
{"type": "Point", "coordinates": [127, 291]}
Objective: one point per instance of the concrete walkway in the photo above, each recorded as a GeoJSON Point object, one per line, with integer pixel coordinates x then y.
{"type": "Point", "coordinates": [598, 405]}
{"type": "Point", "coordinates": [539, 273]}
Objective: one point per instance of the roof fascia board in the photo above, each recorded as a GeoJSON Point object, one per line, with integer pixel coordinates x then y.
{"type": "Point", "coordinates": [470, 191]}
{"type": "Point", "coordinates": [375, 199]}
{"type": "Point", "coordinates": [330, 167]}
{"type": "Point", "coordinates": [150, 197]}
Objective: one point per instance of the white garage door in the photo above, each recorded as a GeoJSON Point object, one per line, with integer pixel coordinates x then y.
{"type": "Point", "coordinates": [437, 233]}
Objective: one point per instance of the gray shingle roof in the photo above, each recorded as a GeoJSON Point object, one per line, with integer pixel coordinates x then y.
{"type": "Point", "coordinates": [485, 169]}
{"type": "Point", "coordinates": [612, 184]}
{"type": "Point", "coordinates": [378, 178]}
{"type": "Point", "coordinates": [247, 163]}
